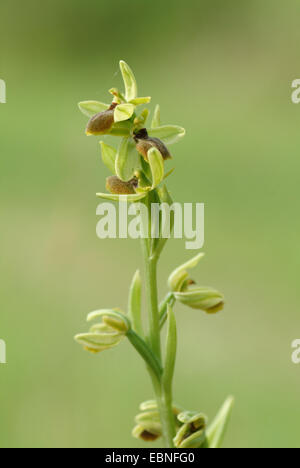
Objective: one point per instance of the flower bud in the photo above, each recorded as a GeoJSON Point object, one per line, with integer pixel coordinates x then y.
{"type": "Point", "coordinates": [207, 299]}
{"type": "Point", "coordinates": [144, 143]}
{"type": "Point", "coordinates": [148, 426]}
{"type": "Point", "coordinates": [116, 186]}
{"type": "Point", "coordinates": [115, 323]}
{"type": "Point", "coordinates": [101, 123]}
{"type": "Point", "coordinates": [96, 342]}
{"type": "Point", "coordinates": [192, 432]}
{"type": "Point", "coordinates": [198, 420]}
{"type": "Point", "coordinates": [106, 334]}
{"type": "Point", "coordinates": [188, 293]}
{"type": "Point", "coordinates": [151, 405]}
{"type": "Point", "coordinates": [179, 279]}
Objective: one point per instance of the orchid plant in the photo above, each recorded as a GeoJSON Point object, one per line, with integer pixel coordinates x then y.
{"type": "Point", "coordinates": [138, 171]}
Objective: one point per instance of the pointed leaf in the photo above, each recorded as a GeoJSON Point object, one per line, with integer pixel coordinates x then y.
{"type": "Point", "coordinates": [215, 433]}
{"type": "Point", "coordinates": [91, 108]}
{"type": "Point", "coordinates": [128, 160]}
{"type": "Point", "coordinates": [109, 155]}
{"type": "Point", "coordinates": [168, 133]}
{"type": "Point", "coordinates": [156, 117]}
{"type": "Point", "coordinates": [123, 112]}
{"type": "Point", "coordinates": [157, 166]}
{"type": "Point", "coordinates": [129, 81]}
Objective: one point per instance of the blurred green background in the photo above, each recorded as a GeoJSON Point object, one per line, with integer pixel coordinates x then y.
{"type": "Point", "coordinates": [221, 69]}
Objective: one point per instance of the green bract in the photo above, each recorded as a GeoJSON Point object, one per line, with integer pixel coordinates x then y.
{"type": "Point", "coordinates": [127, 160]}
{"type": "Point", "coordinates": [157, 167]}
{"type": "Point", "coordinates": [216, 432]}
{"type": "Point", "coordinates": [109, 155]}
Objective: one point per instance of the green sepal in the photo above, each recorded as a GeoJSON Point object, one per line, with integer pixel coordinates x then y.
{"type": "Point", "coordinates": [91, 108]}
{"type": "Point", "coordinates": [129, 81]}
{"type": "Point", "coordinates": [168, 133]}
{"type": "Point", "coordinates": [140, 100]}
{"type": "Point", "coordinates": [97, 342]}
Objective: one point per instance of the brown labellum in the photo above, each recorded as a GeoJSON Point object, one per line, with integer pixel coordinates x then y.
{"type": "Point", "coordinates": [144, 143]}
{"type": "Point", "coordinates": [101, 123]}
{"type": "Point", "coordinates": [149, 436]}
{"type": "Point", "coordinates": [118, 187]}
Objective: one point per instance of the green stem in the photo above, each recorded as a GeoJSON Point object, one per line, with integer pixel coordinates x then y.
{"type": "Point", "coordinates": [154, 327]}
{"type": "Point", "coordinates": [164, 403]}
{"type": "Point", "coordinates": [163, 393]}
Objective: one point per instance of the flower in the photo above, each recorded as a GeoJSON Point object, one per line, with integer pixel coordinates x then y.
{"type": "Point", "coordinates": [101, 123]}
{"type": "Point", "coordinates": [144, 143]}
{"type": "Point", "coordinates": [192, 431]}
{"type": "Point", "coordinates": [106, 334]}
{"type": "Point", "coordinates": [186, 291]}
{"type": "Point", "coordinates": [117, 186]}
{"type": "Point", "coordinates": [148, 426]}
